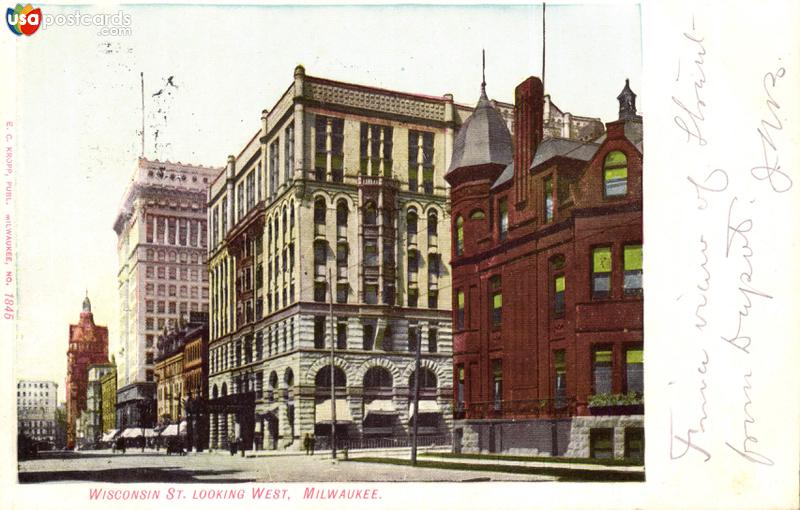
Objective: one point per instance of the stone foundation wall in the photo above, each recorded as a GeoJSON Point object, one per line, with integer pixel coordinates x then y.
{"type": "Point", "coordinates": [581, 425]}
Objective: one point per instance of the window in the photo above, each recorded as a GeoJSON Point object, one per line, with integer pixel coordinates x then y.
{"type": "Point", "coordinates": [503, 218]}
{"type": "Point", "coordinates": [632, 264]}
{"type": "Point", "coordinates": [634, 443]}
{"type": "Point", "coordinates": [420, 158]}
{"type": "Point", "coordinates": [497, 384]}
{"type": "Point", "coordinates": [370, 252]}
{"type": "Point", "coordinates": [319, 212]}
{"type": "Point", "coordinates": [370, 214]}
{"type": "Point", "coordinates": [634, 370]}
{"type": "Point", "coordinates": [548, 200]}
{"type": "Point", "coordinates": [601, 272]}
{"type": "Point", "coordinates": [341, 219]}
{"type": "Point", "coordinates": [559, 293]}
{"type": "Point", "coordinates": [341, 261]}
{"type": "Point", "coordinates": [411, 226]}
{"type": "Point", "coordinates": [320, 289]}
{"type": "Point", "coordinates": [433, 299]}
{"type": "Point", "coordinates": [320, 259]}
{"type": "Point", "coordinates": [460, 388]}
{"type": "Point", "coordinates": [459, 236]}
{"type": "Point", "coordinates": [376, 149]}
{"type": "Point", "coordinates": [319, 332]}
{"type": "Point", "coordinates": [288, 153]}
{"type": "Point", "coordinates": [413, 338]}
{"type": "Point", "coordinates": [329, 139]}
{"type": "Point", "coordinates": [413, 266]}
{"type": "Point", "coordinates": [341, 293]}
{"type": "Point", "coordinates": [433, 334]}
{"type": "Point", "coordinates": [459, 309]}
{"type": "Point", "coordinates": [601, 370]}
{"type": "Point", "coordinates": [601, 443]}
{"type": "Point", "coordinates": [496, 301]}
{"type": "Point", "coordinates": [274, 147]}
{"type": "Point", "coordinates": [413, 298]}
{"type": "Point", "coordinates": [560, 373]}
{"type": "Point", "coordinates": [371, 294]}
{"type": "Point", "coordinates": [433, 220]}
{"type": "Point", "coordinates": [615, 175]}
{"type": "Point", "coordinates": [341, 335]}
{"type": "Point", "coordinates": [369, 337]}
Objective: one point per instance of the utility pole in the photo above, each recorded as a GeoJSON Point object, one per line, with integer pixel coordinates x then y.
{"type": "Point", "coordinates": [333, 379]}
{"type": "Point", "coordinates": [416, 403]}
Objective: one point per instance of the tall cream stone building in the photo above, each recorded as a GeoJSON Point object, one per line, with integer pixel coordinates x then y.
{"type": "Point", "coordinates": [162, 246]}
{"type": "Point", "coordinates": [339, 194]}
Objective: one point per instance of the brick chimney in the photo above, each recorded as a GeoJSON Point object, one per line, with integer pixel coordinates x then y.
{"type": "Point", "coordinates": [528, 133]}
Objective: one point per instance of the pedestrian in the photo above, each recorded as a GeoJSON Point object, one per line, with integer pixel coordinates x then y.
{"type": "Point", "coordinates": [232, 444]}
{"type": "Point", "coordinates": [313, 443]}
{"type": "Point", "coordinates": [307, 444]}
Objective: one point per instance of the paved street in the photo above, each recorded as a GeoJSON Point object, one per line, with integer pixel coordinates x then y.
{"type": "Point", "coordinates": [150, 466]}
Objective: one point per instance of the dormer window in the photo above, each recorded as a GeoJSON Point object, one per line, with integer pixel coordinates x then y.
{"type": "Point", "coordinates": [615, 175]}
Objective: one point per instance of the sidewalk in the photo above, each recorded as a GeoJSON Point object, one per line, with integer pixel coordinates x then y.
{"type": "Point", "coordinates": [533, 464]}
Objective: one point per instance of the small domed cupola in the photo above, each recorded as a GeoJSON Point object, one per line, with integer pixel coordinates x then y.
{"type": "Point", "coordinates": [483, 138]}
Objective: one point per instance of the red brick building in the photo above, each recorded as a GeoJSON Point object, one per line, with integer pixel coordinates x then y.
{"type": "Point", "coordinates": [88, 345]}
{"type": "Point", "coordinates": [547, 284]}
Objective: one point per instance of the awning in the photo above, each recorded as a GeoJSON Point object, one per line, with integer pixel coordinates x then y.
{"type": "Point", "coordinates": [323, 411]}
{"type": "Point", "coordinates": [379, 407]}
{"type": "Point", "coordinates": [425, 406]}
{"type": "Point", "coordinates": [170, 430]}
{"type": "Point", "coordinates": [132, 433]}
{"type": "Point", "coordinates": [109, 436]}
{"type": "Point", "coordinates": [182, 428]}
{"type": "Point", "coordinates": [149, 432]}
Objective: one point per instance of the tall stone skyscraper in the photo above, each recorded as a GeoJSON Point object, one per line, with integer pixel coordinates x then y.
{"type": "Point", "coordinates": [88, 344]}
{"type": "Point", "coordinates": [161, 243]}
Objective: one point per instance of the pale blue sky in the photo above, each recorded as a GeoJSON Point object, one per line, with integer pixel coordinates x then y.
{"type": "Point", "coordinates": [79, 111]}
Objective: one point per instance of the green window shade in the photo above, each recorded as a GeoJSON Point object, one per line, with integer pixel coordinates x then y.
{"type": "Point", "coordinates": [461, 299]}
{"type": "Point", "coordinates": [460, 374]}
{"type": "Point", "coordinates": [616, 174]}
{"type": "Point", "coordinates": [337, 161]}
{"type": "Point", "coordinates": [497, 301]}
{"type": "Point", "coordinates": [560, 283]}
{"type": "Point", "coordinates": [548, 186]}
{"type": "Point", "coordinates": [321, 160]}
{"type": "Point", "coordinates": [602, 357]}
{"type": "Point", "coordinates": [634, 356]}
{"type": "Point", "coordinates": [601, 260]}
{"type": "Point", "coordinates": [614, 158]}
{"type": "Point", "coordinates": [633, 257]}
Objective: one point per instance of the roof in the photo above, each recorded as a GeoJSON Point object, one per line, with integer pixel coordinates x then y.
{"type": "Point", "coordinates": [507, 175]}
{"type": "Point", "coordinates": [573, 149]}
{"type": "Point", "coordinates": [483, 138]}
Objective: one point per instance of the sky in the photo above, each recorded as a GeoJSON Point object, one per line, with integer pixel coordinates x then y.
{"type": "Point", "coordinates": [79, 111]}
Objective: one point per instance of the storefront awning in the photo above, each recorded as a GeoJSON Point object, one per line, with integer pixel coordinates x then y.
{"type": "Point", "coordinates": [425, 406]}
{"type": "Point", "coordinates": [132, 432]}
{"type": "Point", "coordinates": [149, 433]}
{"type": "Point", "coordinates": [379, 407]}
{"type": "Point", "coordinates": [170, 431]}
{"type": "Point", "coordinates": [109, 436]}
{"type": "Point", "coordinates": [323, 412]}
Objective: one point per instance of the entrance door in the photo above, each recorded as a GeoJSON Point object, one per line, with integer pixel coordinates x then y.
{"type": "Point", "coordinates": [272, 431]}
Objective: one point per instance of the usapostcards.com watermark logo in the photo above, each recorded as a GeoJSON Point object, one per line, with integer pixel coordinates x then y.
{"type": "Point", "coordinates": [27, 20]}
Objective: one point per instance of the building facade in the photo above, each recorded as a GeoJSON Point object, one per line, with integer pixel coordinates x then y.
{"type": "Point", "coordinates": [88, 344]}
{"type": "Point", "coordinates": [161, 243]}
{"type": "Point", "coordinates": [338, 197]}
{"type": "Point", "coordinates": [94, 402]}
{"type": "Point", "coordinates": [36, 410]}
{"type": "Point", "coordinates": [547, 283]}
{"type": "Point", "coordinates": [108, 393]}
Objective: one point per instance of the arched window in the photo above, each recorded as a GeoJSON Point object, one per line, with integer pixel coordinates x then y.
{"type": "Point", "coordinates": [427, 379]}
{"type": "Point", "coordinates": [224, 389]}
{"type": "Point", "coordinates": [323, 377]}
{"type": "Point", "coordinates": [370, 214]}
{"type": "Point", "coordinates": [615, 175]}
{"type": "Point", "coordinates": [411, 225]}
{"type": "Point", "coordinates": [319, 211]}
{"type": "Point", "coordinates": [341, 218]}
{"type": "Point", "coordinates": [377, 377]}
{"type": "Point", "coordinates": [273, 385]}
{"type": "Point", "coordinates": [285, 222]}
{"type": "Point", "coordinates": [433, 228]}
{"type": "Point", "coordinates": [459, 235]}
